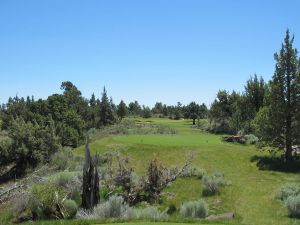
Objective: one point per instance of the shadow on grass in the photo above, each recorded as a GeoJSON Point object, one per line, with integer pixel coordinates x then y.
{"type": "Point", "coordinates": [275, 163]}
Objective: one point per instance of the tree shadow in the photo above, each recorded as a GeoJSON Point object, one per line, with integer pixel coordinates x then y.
{"type": "Point", "coordinates": [13, 173]}
{"type": "Point", "coordinates": [275, 163]}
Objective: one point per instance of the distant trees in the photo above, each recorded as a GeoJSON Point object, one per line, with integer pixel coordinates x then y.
{"type": "Point", "coordinates": [277, 124]}
{"type": "Point", "coordinates": [146, 112]}
{"type": "Point", "coordinates": [134, 108]}
{"type": "Point", "coordinates": [221, 112]}
{"type": "Point", "coordinates": [234, 112]}
{"type": "Point", "coordinates": [158, 109]}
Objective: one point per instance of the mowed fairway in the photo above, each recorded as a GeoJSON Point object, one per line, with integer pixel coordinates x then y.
{"type": "Point", "coordinates": [252, 193]}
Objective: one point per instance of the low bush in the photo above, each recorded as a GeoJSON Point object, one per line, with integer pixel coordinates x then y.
{"type": "Point", "coordinates": [293, 205]}
{"type": "Point", "coordinates": [213, 183]}
{"type": "Point", "coordinates": [149, 213]}
{"type": "Point", "coordinates": [63, 179]}
{"type": "Point", "coordinates": [194, 209]}
{"type": "Point", "coordinates": [289, 190]}
{"type": "Point", "coordinates": [116, 207]}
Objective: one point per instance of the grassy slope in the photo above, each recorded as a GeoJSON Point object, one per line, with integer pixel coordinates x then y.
{"type": "Point", "coordinates": [251, 195]}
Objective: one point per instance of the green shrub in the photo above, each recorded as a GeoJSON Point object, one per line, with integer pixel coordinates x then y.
{"type": "Point", "coordinates": [194, 209]}
{"type": "Point", "coordinates": [289, 190]}
{"type": "Point", "coordinates": [62, 179]}
{"type": "Point", "coordinates": [293, 206]}
{"type": "Point", "coordinates": [43, 200]}
{"type": "Point", "coordinates": [70, 208]}
{"type": "Point", "coordinates": [62, 159]}
{"type": "Point", "coordinates": [115, 207]}
{"type": "Point", "coordinates": [213, 183]}
{"type": "Point", "coordinates": [104, 193]}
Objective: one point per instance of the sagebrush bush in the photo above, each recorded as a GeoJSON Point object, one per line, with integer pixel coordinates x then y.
{"type": "Point", "coordinates": [288, 190]}
{"type": "Point", "coordinates": [213, 183]}
{"type": "Point", "coordinates": [194, 172]}
{"type": "Point", "coordinates": [251, 139]}
{"type": "Point", "coordinates": [62, 179]}
{"type": "Point", "coordinates": [70, 208]}
{"type": "Point", "coordinates": [293, 205]}
{"type": "Point", "coordinates": [115, 207]}
{"type": "Point", "coordinates": [194, 209]}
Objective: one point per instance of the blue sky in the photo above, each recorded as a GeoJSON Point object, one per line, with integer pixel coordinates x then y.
{"type": "Point", "coordinates": [148, 51]}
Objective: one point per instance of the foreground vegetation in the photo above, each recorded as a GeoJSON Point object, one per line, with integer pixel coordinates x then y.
{"type": "Point", "coordinates": [251, 194]}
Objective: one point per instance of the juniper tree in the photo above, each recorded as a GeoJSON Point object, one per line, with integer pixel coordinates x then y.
{"type": "Point", "coordinates": [277, 123]}
{"type": "Point", "coordinates": [193, 111]}
{"type": "Point", "coordinates": [254, 92]}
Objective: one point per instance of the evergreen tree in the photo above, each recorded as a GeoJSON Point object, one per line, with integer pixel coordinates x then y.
{"type": "Point", "coordinates": [106, 114]}
{"type": "Point", "coordinates": [165, 110]}
{"type": "Point", "coordinates": [146, 112]}
{"type": "Point", "coordinates": [255, 91]}
{"type": "Point", "coordinates": [193, 111]}
{"type": "Point", "coordinates": [92, 112]}
{"type": "Point", "coordinates": [203, 111]}
{"type": "Point", "coordinates": [93, 101]}
{"type": "Point", "coordinates": [278, 123]}
{"type": "Point", "coordinates": [122, 110]}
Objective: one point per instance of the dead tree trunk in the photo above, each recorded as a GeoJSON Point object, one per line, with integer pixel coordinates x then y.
{"type": "Point", "coordinates": [90, 185]}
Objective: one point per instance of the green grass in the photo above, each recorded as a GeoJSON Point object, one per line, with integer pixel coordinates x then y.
{"type": "Point", "coordinates": [252, 193]}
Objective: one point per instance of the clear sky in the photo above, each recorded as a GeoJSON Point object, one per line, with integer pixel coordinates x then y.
{"type": "Point", "coordinates": [145, 50]}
